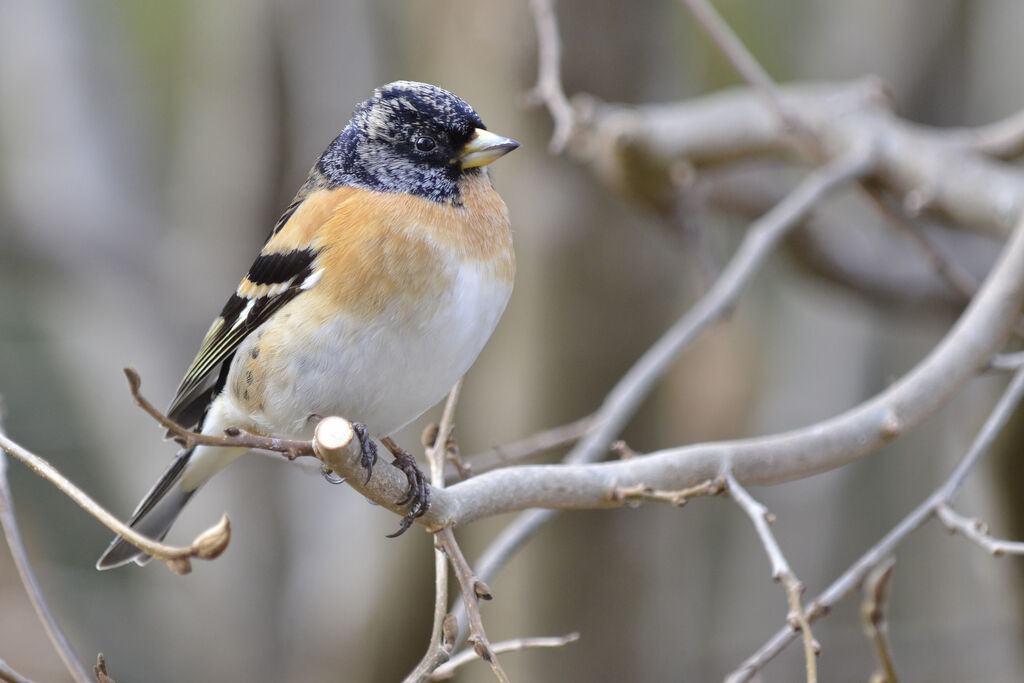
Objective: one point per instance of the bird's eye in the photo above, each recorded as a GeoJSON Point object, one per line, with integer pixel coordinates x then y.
{"type": "Point", "coordinates": [425, 144]}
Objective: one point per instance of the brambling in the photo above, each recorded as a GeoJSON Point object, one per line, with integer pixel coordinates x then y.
{"type": "Point", "coordinates": [374, 293]}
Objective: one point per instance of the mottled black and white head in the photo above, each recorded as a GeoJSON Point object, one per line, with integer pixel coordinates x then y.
{"type": "Point", "coordinates": [412, 138]}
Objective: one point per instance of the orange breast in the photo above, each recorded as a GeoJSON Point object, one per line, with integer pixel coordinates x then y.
{"type": "Point", "coordinates": [382, 249]}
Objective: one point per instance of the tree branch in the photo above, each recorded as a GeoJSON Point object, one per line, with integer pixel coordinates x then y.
{"type": "Point", "coordinates": [781, 570]}
{"type": "Point", "coordinates": [529, 447]}
{"type": "Point", "coordinates": [514, 492]}
{"type": "Point", "coordinates": [741, 58]}
{"type": "Point", "coordinates": [967, 347]}
{"type": "Point", "coordinates": [1002, 139]}
{"type": "Point", "coordinates": [447, 670]}
{"type": "Point", "coordinates": [549, 80]}
{"type": "Point", "coordinates": [977, 531]}
{"type": "Point", "coordinates": [877, 554]}
{"type": "Point", "coordinates": [9, 675]}
{"type": "Point", "coordinates": [12, 532]}
{"type": "Point", "coordinates": [443, 630]}
{"type": "Point", "coordinates": [473, 590]}
{"type": "Point", "coordinates": [628, 145]}
{"type": "Point", "coordinates": [872, 612]}
{"type": "Point", "coordinates": [206, 546]}
{"type": "Point", "coordinates": [232, 438]}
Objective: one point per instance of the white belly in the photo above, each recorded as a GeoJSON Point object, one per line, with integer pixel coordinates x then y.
{"type": "Point", "coordinates": [384, 372]}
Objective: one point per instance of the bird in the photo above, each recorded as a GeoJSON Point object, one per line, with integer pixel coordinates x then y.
{"type": "Point", "coordinates": [374, 293]}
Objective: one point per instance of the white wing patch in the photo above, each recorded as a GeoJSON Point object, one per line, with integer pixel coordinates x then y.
{"type": "Point", "coordinates": [312, 279]}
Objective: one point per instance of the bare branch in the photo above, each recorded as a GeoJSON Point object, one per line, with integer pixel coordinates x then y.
{"type": "Point", "coordinates": [549, 80]}
{"type": "Point", "coordinates": [977, 531]}
{"type": "Point", "coordinates": [534, 445]}
{"type": "Point", "coordinates": [968, 346]}
{"type": "Point", "coordinates": [737, 53]}
{"type": "Point", "coordinates": [9, 675]}
{"type": "Point", "coordinates": [1007, 362]}
{"type": "Point", "coordinates": [447, 670]}
{"type": "Point", "coordinates": [635, 494]}
{"type": "Point", "coordinates": [1002, 139]}
{"type": "Point", "coordinates": [529, 485]}
{"type": "Point", "coordinates": [473, 590]}
{"type": "Point", "coordinates": [872, 612]}
{"type": "Point", "coordinates": [877, 554]}
{"type": "Point", "coordinates": [955, 275]}
{"type": "Point", "coordinates": [781, 570]}
{"type": "Point", "coordinates": [207, 545]}
{"type": "Point", "coordinates": [440, 646]}
{"type": "Point", "coordinates": [971, 191]}
{"type": "Point", "coordinates": [12, 532]}
{"type": "Point", "coordinates": [722, 34]}
{"type": "Point", "coordinates": [233, 438]}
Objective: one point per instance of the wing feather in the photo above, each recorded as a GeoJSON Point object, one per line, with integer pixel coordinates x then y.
{"type": "Point", "coordinates": [275, 278]}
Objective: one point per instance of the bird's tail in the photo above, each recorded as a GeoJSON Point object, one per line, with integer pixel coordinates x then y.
{"type": "Point", "coordinates": [154, 515]}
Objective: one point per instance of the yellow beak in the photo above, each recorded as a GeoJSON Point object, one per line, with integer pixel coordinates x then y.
{"type": "Point", "coordinates": [485, 147]}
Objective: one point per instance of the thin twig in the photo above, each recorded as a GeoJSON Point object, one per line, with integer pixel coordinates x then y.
{"type": "Point", "coordinates": [781, 570]}
{"type": "Point", "coordinates": [678, 498]}
{"type": "Point", "coordinates": [233, 437]}
{"type": "Point", "coordinates": [977, 531]}
{"type": "Point", "coordinates": [549, 80]}
{"type": "Point", "coordinates": [100, 670]}
{"type": "Point", "coordinates": [207, 545]}
{"type": "Point", "coordinates": [872, 612]}
{"type": "Point", "coordinates": [1002, 139]}
{"type": "Point", "coordinates": [12, 532]}
{"type": "Point", "coordinates": [751, 70]}
{"type": "Point", "coordinates": [1007, 362]}
{"type": "Point", "coordinates": [473, 590]}
{"type": "Point", "coordinates": [986, 436]}
{"type": "Point", "coordinates": [746, 65]}
{"type": "Point", "coordinates": [9, 675]}
{"type": "Point", "coordinates": [855, 574]}
{"type": "Point", "coordinates": [958, 278]}
{"type": "Point", "coordinates": [443, 631]}
{"type": "Point", "coordinates": [529, 447]}
{"type": "Point", "coordinates": [447, 670]}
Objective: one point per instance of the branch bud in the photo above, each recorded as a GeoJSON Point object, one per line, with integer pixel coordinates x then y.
{"type": "Point", "coordinates": [212, 542]}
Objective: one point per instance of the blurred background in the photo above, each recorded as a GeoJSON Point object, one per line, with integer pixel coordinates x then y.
{"type": "Point", "coordinates": [147, 147]}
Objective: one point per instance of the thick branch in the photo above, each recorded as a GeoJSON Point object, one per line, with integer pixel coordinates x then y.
{"type": "Point", "coordinates": [968, 347]}
{"type": "Point", "coordinates": [971, 190]}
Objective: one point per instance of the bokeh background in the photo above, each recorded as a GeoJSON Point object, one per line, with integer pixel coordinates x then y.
{"type": "Point", "coordinates": [147, 147]}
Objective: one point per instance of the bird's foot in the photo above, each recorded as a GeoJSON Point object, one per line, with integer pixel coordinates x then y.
{"type": "Point", "coordinates": [369, 449]}
{"type": "Point", "coordinates": [418, 495]}
{"type": "Point", "coordinates": [330, 476]}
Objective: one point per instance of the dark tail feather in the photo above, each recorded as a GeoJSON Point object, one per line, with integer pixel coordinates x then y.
{"type": "Point", "coordinates": [153, 517]}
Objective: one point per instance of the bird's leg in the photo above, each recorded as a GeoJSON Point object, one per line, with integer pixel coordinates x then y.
{"type": "Point", "coordinates": [368, 447]}
{"type": "Point", "coordinates": [418, 495]}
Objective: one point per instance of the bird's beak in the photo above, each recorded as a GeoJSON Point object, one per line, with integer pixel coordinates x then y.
{"type": "Point", "coordinates": [485, 147]}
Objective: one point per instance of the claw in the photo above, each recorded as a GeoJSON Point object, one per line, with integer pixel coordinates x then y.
{"type": "Point", "coordinates": [418, 495]}
{"type": "Point", "coordinates": [369, 448]}
{"type": "Point", "coordinates": [330, 476]}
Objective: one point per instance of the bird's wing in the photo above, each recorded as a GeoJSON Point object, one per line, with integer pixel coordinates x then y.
{"type": "Point", "coordinates": [285, 268]}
